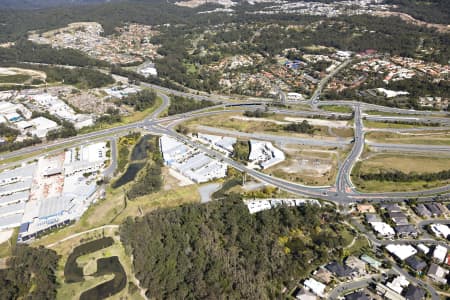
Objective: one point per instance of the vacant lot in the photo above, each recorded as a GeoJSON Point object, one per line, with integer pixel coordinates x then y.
{"type": "Point", "coordinates": [306, 166]}
{"type": "Point", "coordinates": [399, 162]}
{"type": "Point", "coordinates": [405, 163]}
{"type": "Point", "coordinates": [373, 124]}
{"type": "Point", "coordinates": [13, 76]}
{"type": "Point", "coordinates": [423, 137]}
{"type": "Point", "coordinates": [271, 124]}
{"type": "Point", "coordinates": [374, 186]}
{"type": "Point", "coordinates": [337, 108]}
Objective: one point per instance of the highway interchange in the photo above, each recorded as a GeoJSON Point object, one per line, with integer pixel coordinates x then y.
{"type": "Point", "coordinates": [341, 193]}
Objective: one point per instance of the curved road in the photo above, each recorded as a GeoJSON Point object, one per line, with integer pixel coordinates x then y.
{"type": "Point", "coordinates": [342, 193]}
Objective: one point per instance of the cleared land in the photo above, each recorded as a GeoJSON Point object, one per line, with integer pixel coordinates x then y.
{"type": "Point", "coordinates": [398, 162]}
{"type": "Point", "coordinates": [307, 166]}
{"type": "Point", "coordinates": [336, 108]}
{"type": "Point", "coordinates": [270, 124]}
{"type": "Point", "coordinates": [390, 114]}
{"type": "Point", "coordinates": [422, 137]}
{"type": "Point", "coordinates": [13, 76]}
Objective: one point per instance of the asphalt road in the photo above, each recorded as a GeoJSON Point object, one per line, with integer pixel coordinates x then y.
{"type": "Point", "coordinates": [323, 192]}
{"type": "Point", "coordinates": [342, 193]}
{"type": "Point", "coordinates": [351, 286]}
{"type": "Point", "coordinates": [109, 172]}
{"type": "Point", "coordinates": [315, 96]}
{"type": "Point", "coordinates": [332, 142]}
{"type": "Point", "coordinates": [420, 283]}
{"type": "Point", "coordinates": [386, 109]}
{"type": "Point", "coordinates": [343, 180]}
{"type": "Point", "coordinates": [395, 267]}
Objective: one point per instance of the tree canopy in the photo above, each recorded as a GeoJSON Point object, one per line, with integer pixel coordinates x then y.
{"type": "Point", "coordinates": [219, 250]}
{"type": "Point", "coordinates": [30, 274]}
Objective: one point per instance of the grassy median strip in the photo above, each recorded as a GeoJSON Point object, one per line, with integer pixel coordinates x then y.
{"type": "Point", "coordinates": [408, 164]}
{"type": "Point", "coordinates": [437, 138]}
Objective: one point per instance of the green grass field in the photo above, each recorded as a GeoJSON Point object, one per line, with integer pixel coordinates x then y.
{"type": "Point", "coordinates": [373, 124]}
{"type": "Point", "coordinates": [336, 108]}
{"type": "Point", "coordinates": [404, 163]}
{"type": "Point", "coordinates": [18, 78]}
{"type": "Point", "coordinates": [426, 138]}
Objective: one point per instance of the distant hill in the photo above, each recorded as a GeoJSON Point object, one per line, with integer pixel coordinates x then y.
{"type": "Point", "coordinates": [33, 4]}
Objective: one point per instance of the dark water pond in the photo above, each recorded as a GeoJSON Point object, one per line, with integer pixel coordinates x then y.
{"type": "Point", "coordinates": [140, 149]}
{"type": "Point", "coordinates": [107, 289]}
{"type": "Point", "coordinates": [72, 272]}
{"type": "Point", "coordinates": [129, 174]}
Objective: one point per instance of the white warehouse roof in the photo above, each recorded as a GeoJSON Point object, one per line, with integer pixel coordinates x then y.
{"type": "Point", "coordinates": [16, 197]}
{"type": "Point", "coordinates": [12, 209]}
{"type": "Point", "coordinates": [10, 221]}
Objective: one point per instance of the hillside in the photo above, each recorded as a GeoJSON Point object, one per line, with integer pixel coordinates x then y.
{"type": "Point", "coordinates": [219, 250]}
{"type": "Point", "coordinates": [31, 4]}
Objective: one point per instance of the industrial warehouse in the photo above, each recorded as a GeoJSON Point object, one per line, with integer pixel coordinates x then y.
{"type": "Point", "coordinates": [51, 192]}
{"type": "Point", "coordinates": [190, 162]}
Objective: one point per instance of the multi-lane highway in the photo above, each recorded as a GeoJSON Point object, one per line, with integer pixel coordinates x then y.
{"type": "Point", "coordinates": [343, 191]}
{"type": "Point", "coordinates": [341, 194]}
{"type": "Point", "coordinates": [343, 181]}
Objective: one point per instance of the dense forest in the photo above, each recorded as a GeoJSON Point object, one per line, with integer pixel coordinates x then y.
{"type": "Point", "coordinates": [139, 101]}
{"type": "Point", "coordinates": [67, 130]}
{"type": "Point", "coordinates": [422, 86]}
{"type": "Point", "coordinates": [26, 51]}
{"type": "Point", "coordinates": [356, 94]}
{"type": "Point", "coordinates": [433, 11]}
{"type": "Point", "coordinates": [218, 250]}
{"type": "Point", "coordinates": [30, 4]}
{"type": "Point", "coordinates": [30, 274]}
{"type": "Point", "coordinates": [16, 23]}
{"type": "Point", "coordinates": [258, 113]}
{"type": "Point", "coordinates": [79, 77]}
{"type": "Point", "coordinates": [179, 105]}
